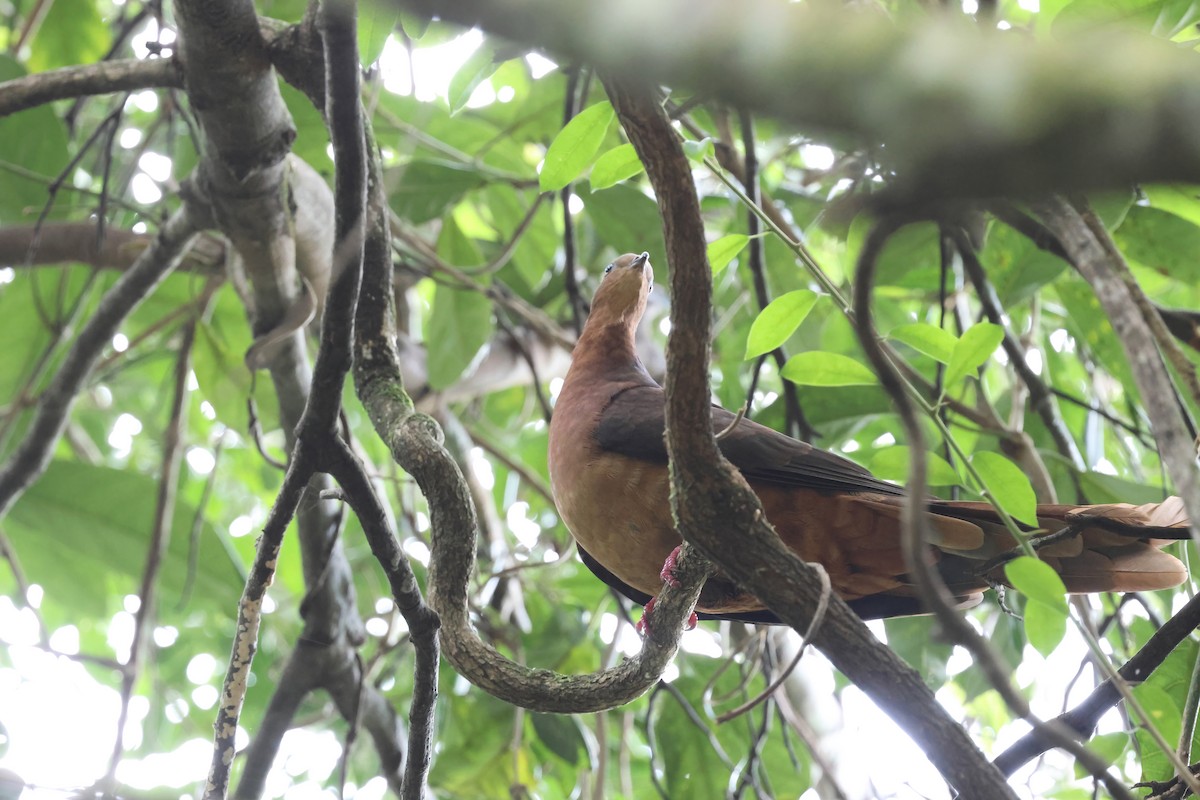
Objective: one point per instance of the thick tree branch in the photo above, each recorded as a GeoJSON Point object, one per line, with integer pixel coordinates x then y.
{"type": "Point", "coordinates": [962, 110]}
{"type": "Point", "coordinates": [1098, 260]}
{"type": "Point", "coordinates": [710, 499]}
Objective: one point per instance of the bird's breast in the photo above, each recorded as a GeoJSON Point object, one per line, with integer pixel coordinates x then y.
{"type": "Point", "coordinates": [616, 507]}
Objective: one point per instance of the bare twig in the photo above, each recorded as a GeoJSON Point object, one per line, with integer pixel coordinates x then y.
{"type": "Point", "coordinates": [32, 456]}
{"type": "Point", "coordinates": [914, 521]}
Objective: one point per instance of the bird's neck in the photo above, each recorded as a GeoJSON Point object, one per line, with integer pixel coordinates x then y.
{"type": "Point", "coordinates": [606, 351]}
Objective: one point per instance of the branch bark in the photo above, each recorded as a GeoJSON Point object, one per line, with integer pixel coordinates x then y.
{"type": "Point", "coordinates": [54, 406]}
{"type": "Point", "coordinates": [962, 110]}
{"type": "Point", "coordinates": [710, 499]}
{"type": "Point", "coordinates": [104, 77]}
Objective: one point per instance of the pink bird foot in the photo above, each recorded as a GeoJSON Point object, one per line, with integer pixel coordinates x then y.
{"type": "Point", "coordinates": [644, 623]}
{"type": "Point", "coordinates": [668, 570]}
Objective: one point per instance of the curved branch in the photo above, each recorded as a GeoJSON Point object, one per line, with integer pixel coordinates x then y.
{"type": "Point", "coordinates": [105, 77]}
{"type": "Point", "coordinates": [914, 534]}
{"type": "Point", "coordinates": [416, 444]}
{"type": "Point", "coordinates": [709, 497]}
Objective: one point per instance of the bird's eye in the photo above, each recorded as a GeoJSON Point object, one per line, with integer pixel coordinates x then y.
{"type": "Point", "coordinates": [608, 269]}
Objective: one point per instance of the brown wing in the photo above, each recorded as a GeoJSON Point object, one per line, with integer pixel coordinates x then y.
{"type": "Point", "coordinates": [633, 424]}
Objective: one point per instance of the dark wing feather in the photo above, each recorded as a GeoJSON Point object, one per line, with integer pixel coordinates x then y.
{"type": "Point", "coordinates": [633, 423]}
{"type": "Point", "coordinates": [880, 606]}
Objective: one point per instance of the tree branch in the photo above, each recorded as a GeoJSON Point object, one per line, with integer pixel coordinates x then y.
{"type": "Point", "coordinates": [962, 110]}
{"type": "Point", "coordinates": [709, 497]}
{"type": "Point", "coordinates": [156, 261]}
{"type": "Point", "coordinates": [105, 77]}
{"type": "Point", "coordinates": [1098, 260]}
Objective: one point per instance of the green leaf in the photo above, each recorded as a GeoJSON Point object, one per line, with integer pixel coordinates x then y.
{"type": "Point", "coordinates": [426, 187]}
{"type": "Point", "coordinates": [34, 140]}
{"type": "Point", "coordinates": [575, 146]}
{"type": "Point", "coordinates": [376, 21]}
{"type": "Point", "coordinates": [699, 150]}
{"type": "Point", "coordinates": [821, 368]}
{"type": "Point", "coordinates": [625, 219]}
{"type": "Point", "coordinates": [81, 532]}
{"type": "Point", "coordinates": [73, 32]}
{"type": "Point", "coordinates": [1044, 626]}
{"type": "Point", "coordinates": [935, 342]}
{"type": "Point", "coordinates": [1161, 241]}
{"type": "Point", "coordinates": [911, 257]}
{"type": "Point", "coordinates": [218, 363]}
{"type": "Point", "coordinates": [1016, 267]}
{"type": "Point", "coordinates": [722, 251]}
{"type": "Point", "coordinates": [618, 164]}
{"type": "Point", "coordinates": [1108, 746]}
{"type": "Point", "coordinates": [478, 67]}
{"type": "Point", "coordinates": [973, 349]}
{"type": "Point", "coordinates": [779, 320]}
{"type": "Point", "coordinates": [1162, 697]}
{"type": "Point", "coordinates": [1008, 485]}
{"type": "Point", "coordinates": [1045, 601]}
{"type": "Point", "coordinates": [891, 464]}
{"type": "Point", "coordinates": [1038, 581]}
{"type": "Point", "coordinates": [460, 322]}
{"type": "Point", "coordinates": [560, 734]}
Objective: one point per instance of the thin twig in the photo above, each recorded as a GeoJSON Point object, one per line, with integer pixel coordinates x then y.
{"type": "Point", "coordinates": [160, 533]}
{"type": "Point", "coordinates": [813, 627]}
{"type": "Point", "coordinates": [914, 521]}
{"type": "Point", "coordinates": [33, 454]}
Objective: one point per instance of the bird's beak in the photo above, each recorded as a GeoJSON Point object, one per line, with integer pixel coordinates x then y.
{"type": "Point", "coordinates": [642, 262]}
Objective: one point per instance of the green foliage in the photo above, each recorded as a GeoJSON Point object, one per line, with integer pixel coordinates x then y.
{"type": "Point", "coordinates": [574, 148]}
{"type": "Point", "coordinates": [937, 343]}
{"type": "Point", "coordinates": [1009, 486]}
{"type": "Point", "coordinates": [618, 164]}
{"type": "Point", "coordinates": [33, 150]}
{"type": "Point", "coordinates": [1045, 601]}
{"type": "Point", "coordinates": [826, 369]}
{"type": "Point", "coordinates": [462, 183]}
{"type": "Point", "coordinates": [971, 350]}
{"type": "Point", "coordinates": [891, 463]}
{"type": "Point", "coordinates": [779, 320]}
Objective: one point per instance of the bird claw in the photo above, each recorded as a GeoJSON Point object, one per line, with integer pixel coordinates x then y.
{"type": "Point", "coordinates": [668, 570]}
{"type": "Point", "coordinates": [643, 624]}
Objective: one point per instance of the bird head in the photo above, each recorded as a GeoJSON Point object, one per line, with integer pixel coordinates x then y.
{"type": "Point", "coordinates": [622, 294]}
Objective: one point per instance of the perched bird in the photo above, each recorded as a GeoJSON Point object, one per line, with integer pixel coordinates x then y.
{"type": "Point", "coordinates": [608, 471]}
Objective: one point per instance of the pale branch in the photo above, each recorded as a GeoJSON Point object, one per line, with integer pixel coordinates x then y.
{"type": "Point", "coordinates": [155, 262]}
{"type": "Point", "coordinates": [709, 497]}
{"type": "Point", "coordinates": [1183, 324]}
{"type": "Point", "coordinates": [245, 642]}
{"type": "Point", "coordinates": [294, 683]}
{"type": "Point", "coordinates": [932, 590]}
{"type": "Point", "coordinates": [961, 109]}
{"type": "Point", "coordinates": [1094, 255]}
{"type": "Point", "coordinates": [104, 77]}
